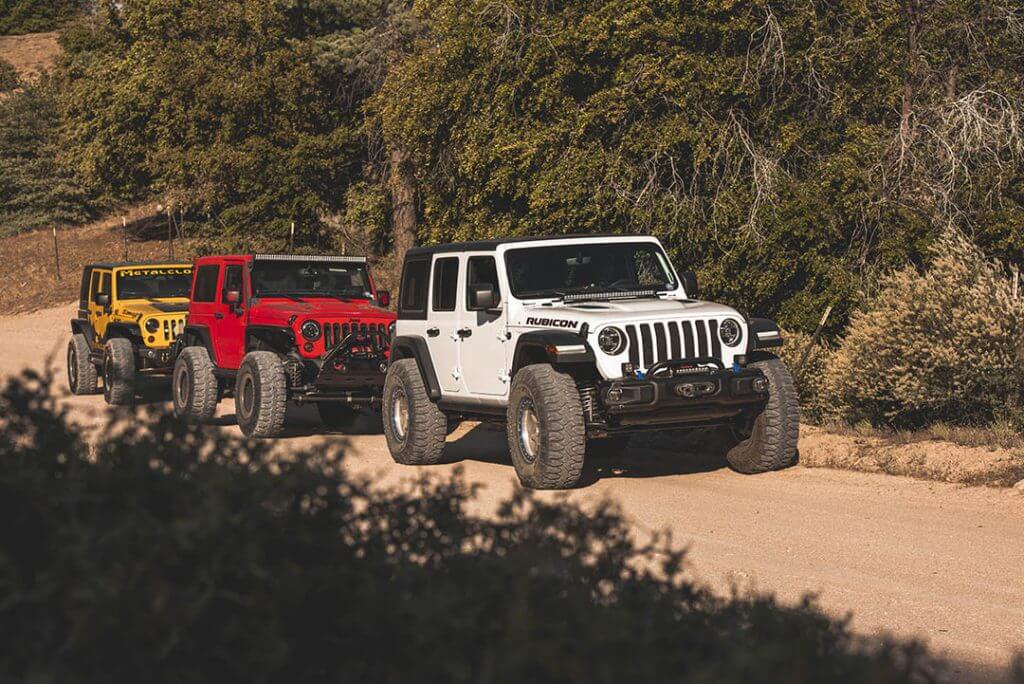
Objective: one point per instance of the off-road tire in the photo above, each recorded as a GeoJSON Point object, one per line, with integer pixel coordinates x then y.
{"type": "Point", "coordinates": [83, 377]}
{"type": "Point", "coordinates": [194, 387]}
{"type": "Point", "coordinates": [119, 372]}
{"type": "Point", "coordinates": [562, 438]}
{"type": "Point", "coordinates": [426, 425]}
{"type": "Point", "coordinates": [772, 440]}
{"type": "Point", "coordinates": [261, 395]}
{"type": "Point", "coordinates": [334, 414]}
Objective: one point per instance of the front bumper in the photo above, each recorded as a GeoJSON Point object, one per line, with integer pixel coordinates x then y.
{"type": "Point", "coordinates": [161, 359]}
{"type": "Point", "coordinates": [353, 371]}
{"type": "Point", "coordinates": [706, 397]}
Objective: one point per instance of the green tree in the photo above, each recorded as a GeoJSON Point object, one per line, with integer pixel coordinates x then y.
{"type": "Point", "coordinates": [36, 189]}
{"type": "Point", "coordinates": [34, 16]}
{"type": "Point", "coordinates": [214, 106]}
{"type": "Point", "coordinates": [759, 140]}
{"type": "Point", "coordinates": [8, 77]}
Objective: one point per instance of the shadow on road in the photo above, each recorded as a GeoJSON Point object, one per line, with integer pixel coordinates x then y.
{"type": "Point", "coordinates": [649, 455]}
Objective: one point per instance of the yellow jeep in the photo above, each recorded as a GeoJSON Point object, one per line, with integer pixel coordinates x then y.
{"type": "Point", "coordinates": [128, 316]}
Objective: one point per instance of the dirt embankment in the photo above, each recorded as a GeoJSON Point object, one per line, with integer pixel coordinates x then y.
{"type": "Point", "coordinates": [28, 267]}
{"type": "Point", "coordinates": [30, 54]}
{"type": "Point", "coordinates": [931, 459]}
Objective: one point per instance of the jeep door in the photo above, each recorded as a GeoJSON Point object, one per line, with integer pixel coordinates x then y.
{"type": "Point", "coordinates": [229, 318]}
{"type": "Point", "coordinates": [99, 314]}
{"type": "Point", "coordinates": [443, 321]}
{"type": "Point", "coordinates": [483, 346]}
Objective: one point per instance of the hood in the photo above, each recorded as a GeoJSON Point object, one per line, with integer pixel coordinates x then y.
{"type": "Point", "coordinates": [623, 310]}
{"type": "Point", "coordinates": [281, 309]}
{"type": "Point", "coordinates": [138, 308]}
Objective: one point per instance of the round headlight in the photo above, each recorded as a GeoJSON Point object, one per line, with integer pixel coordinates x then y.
{"type": "Point", "coordinates": [311, 330]}
{"type": "Point", "coordinates": [612, 341]}
{"type": "Point", "coordinates": [152, 325]}
{"type": "Point", "coordinates": [730, 332]}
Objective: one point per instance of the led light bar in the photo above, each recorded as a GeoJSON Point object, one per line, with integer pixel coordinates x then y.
{"type": "Point", "coordinates": [309, 257]}
{"type": "Point", "coordinates": [597, 294]}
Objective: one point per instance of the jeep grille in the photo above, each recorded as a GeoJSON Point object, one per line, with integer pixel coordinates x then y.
{"type": "Point", "coordinates": [335, 333]}
{"type": "Point", "coordinates": [651, 343]}
{"type": "Point", "coordinates": [173, 328]}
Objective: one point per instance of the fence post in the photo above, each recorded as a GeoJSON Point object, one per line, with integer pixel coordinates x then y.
{"type": "Point", "coordinates": [291, 239]}
{"type": "Point", "coordinates": [56, 252]}
{"type": "Point", "coordinates": [170, 237]}
{"type": "Point", "coordinates": [124, 233]}
{"type": "Point", "coordinates": [813, 341]}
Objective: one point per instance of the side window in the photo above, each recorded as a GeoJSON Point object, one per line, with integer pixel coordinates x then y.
{"type": "Point", "coordinates": [205, 289]}
{"type": "Point", "coordinates": [104, 287]}
{"type": "Point", "coordinates": [413, 297]}
{"type": "Point", "coordinates": [481, 271]}
{"type": "Point", "coordinates": [83, 295]}
{"type": "Point", "coordinates": [232, 282]}
{"type": "Point", "coordinates": [94, 288]}
{"type": "Point", "coordinates": [446, 284]}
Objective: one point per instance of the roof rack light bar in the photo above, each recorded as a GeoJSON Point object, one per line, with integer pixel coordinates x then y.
{"type": "Point", "coordinates": [309, 257]}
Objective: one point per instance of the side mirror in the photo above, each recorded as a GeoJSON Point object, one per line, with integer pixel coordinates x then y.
{"type": "Point", "coordinates": [689, 279]}
{"type": "Point", "coordinates": [232, 296]}
{"type": "Point", "coordinates": [384, 298]}
{"type": "Point", "coordinates": [103, 299]}
{"type": "Point", "coordinates": [483, 298]}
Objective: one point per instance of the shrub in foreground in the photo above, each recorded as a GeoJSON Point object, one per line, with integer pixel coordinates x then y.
{"type": "Point", "coordinates": [939, 345]}
{"type": "Point", "coordinates": [167, 553]}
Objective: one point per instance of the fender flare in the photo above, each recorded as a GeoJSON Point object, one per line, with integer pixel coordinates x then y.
{"type": "Point", "coordinates": [764, 333]}
{"type": "Point", "coordinates": [129, 331]}
{"type": "Point", "coordinates": [415, 347]}
{"type": "Point", "coordinates": [201, 333]}
{"type": "Point", "coordinates": [84, 327]}
{"type": "Point", "coordinates": [279, 338]}
{"type": "Point", "coordinates": [534, 346]}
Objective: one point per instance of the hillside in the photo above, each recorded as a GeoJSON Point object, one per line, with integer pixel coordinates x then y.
{"type": "Point", "coordinates": [30, 54]}
{"type": "Point", "coordinates": [28, 280]}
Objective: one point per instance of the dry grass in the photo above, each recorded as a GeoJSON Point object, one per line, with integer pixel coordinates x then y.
{"type": "Point", "coordinates": [28, 279]}
{"type": "Point", "coordinates": [31, 54]}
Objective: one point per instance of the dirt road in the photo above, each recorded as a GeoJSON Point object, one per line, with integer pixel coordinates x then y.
{"type": "Point", "coordinates": [918, 559]}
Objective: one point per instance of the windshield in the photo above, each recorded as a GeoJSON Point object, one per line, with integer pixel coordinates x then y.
{"type": "Point", "coordinates": [310, 279]}
{"type": "Point", "coordinates": [606, 267]}
{"type": "Point", "coordinates": [154, 283]}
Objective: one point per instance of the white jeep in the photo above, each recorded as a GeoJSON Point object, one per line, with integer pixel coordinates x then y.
{"type": "Point", "coordinates": [576, 339]}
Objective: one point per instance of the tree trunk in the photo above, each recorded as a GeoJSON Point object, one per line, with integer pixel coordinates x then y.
{"type": "Point", "coordinates": [912, 18]}
{"type": "Point", "coordinates": [951, 82]}
{"type": "Point", "coordinates": [403, 205]}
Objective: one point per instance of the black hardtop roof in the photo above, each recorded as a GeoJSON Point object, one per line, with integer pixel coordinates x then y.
{"type": "Point", "coordinates": [491, 245]}
{"type": "Point", "coordinates": [130, 264]}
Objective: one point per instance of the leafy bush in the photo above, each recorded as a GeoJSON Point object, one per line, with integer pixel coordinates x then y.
{"type": "Point", "coordinates": [939, 345]}
{"type": "Point", "coordinates": [807, 363]}
{"type": "Point", "coordinates": [167, 553]}
{"type": "Point", "coordinates": [8, 76]}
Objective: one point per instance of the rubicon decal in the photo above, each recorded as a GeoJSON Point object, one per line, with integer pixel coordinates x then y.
{"type": "Point", "coordinates": [553, 322]}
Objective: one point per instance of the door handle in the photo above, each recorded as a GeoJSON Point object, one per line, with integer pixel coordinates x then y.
{"type": "Point", "coordinates": [433, 332]}
{"type": "Point", "coordinates": [218, 315]}
{"type": "Point", "coordinates": [464, 332]}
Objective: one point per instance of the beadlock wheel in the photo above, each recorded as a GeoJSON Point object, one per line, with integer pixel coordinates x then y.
{"type": "Point", "coordinates": [399, 414]}
{"type": "Point", "coordinates": [529, 430]}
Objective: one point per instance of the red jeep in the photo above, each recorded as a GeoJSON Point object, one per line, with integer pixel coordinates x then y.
{"type": "Point", "coordinates": [268, 328]}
